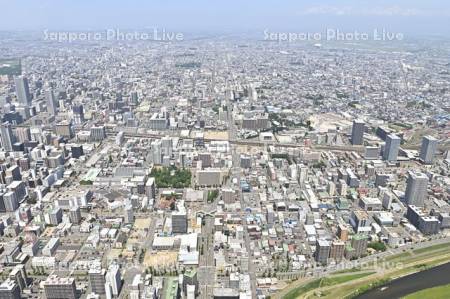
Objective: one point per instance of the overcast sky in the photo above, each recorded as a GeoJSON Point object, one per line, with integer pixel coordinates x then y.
{"type": "Point", "coordinates": [408, 16]}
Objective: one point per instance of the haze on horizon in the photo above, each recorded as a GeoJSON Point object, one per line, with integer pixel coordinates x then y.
{"type": "Point", "coordinates": [414, 17]}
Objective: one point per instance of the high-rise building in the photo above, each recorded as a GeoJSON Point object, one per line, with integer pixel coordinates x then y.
{"type": "Point", "coordinates": [358, 132]}
{"type": "Point", "coordinates": [51, 101]}
{"type": "Point", "coordinates": [359, 243]}
{"type": "Point", "coordinates": [60, 287]}
{"type": "Point", "coordinates": [9, 290]}
{"type": "Point", "coordinates": [97, 281]}
{"type": "Point", "coordinates": [98, 133]}
{"type": "Point", "coordinates": [22, 90]}
{"type": "Point", "coordinates": [10, 201]}
{"type": "Point", "coordinates": [391, 148]}
{"type": "Point", "coordinates": [337, 250]}
{"type": "Point", "coordinates": [75, 215]}
{"type": "Point", "coordinates": [179, 221]}
{"type": "Point", "coordinates": [416, 188]}
{"type": "Point", "coordinates": [7, 137]}
{"type": "Point", "coordinates": [190, 278]}
{"type": "Point", "coordinates": [23, 134]}
{"type": "Point", "coordinates": [343, 232]}
{"type": "Point", "coordinates": [113, 279]}
{"type": "Point", "coordinates": [77, 151]}
{"type": "Point", "coordinates": [64, 129]}
{"type": "Point", "coordinates": [322, 251]}
{"type": "Point", "coordinates": [156, 152]}
{"type": "Point", "coordinates": [19, 275]}
{"type": "Point", "coordinates": [428, 149]}
{"type": "Point", "coordinates": [302, 174]}
{"type": "Point", "coordinates": [128, 214]}
{"type": "Point", "coordinates": [167, 146]}
{"type": "Point", "coordinates": [78, 114]}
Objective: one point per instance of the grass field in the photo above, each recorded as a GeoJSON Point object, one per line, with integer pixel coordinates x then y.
{"type": "Point", "coordinates": [432, 248]}
{"type": "Point", "coordinates": [441, 292]}
{"type": "Point", "coordinates": [297, 292]}
{"type": "Point", "coordinates": [324, 282]}
{"type": "Point", "coordinates": [353, 281]}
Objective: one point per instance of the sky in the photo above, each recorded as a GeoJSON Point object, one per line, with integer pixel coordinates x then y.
{"type": "Point", "coordinates": [414, 17]}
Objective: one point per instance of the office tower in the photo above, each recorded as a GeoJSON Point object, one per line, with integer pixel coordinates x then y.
{"type": "Point", "coordinates": [55, 216]}
{"type": "Point", "coordinates": [22, 134]}
{"type": "Point", "coordinates": [9, 290]}
{"type": "Point", "coordinates": [113, 279]}
{"type": "Point", "coordinates": [179, 221]}
{"type": "Point", "coordinates": [371, 152]}
{"type": "Point", "coordinates": [60, 287]}
{"type": "Point", "coordinates": [128, 214]}
{"type": "Point", "coordinates": [14, 172]}
{"type": "Point", "coordinates": [78, 114]}
{"type": "Point", "coordinates": [358, 132]}
{"type": "Point", "coordinates": [190, 278]}
{"type": "Point", "coordinates": [134, 97]}
{"type": "Point", "coordinates": [75, 215]}
{"type": "Point", "coordinates": [426, 224]}
{"type": "Point", "coordinates": [64, 129]}
{"type": "Point", "coordinates": [19, 275]}
{"type": "Point", "coordinates": [11, 202]}
{"type": "Point", "coordinates": [302, 174]}
{"type": "Point", "coordinates": [97, 281]}
{"type": "Point", "coordinates": [167, 146]}
{"type": "Point", "coordinates": [2, 204]}
{"type": "Point", "coordinates": [322, 251]}
{"type": "Point", "coordinates": [359, 243]}
{"type": "Point", "coordinates": [416, 188]}
{"type": "Point", "coordinates": [428, 149]}
{"type": "Point", "coordinates": [22, 90]}
{"type": "Point", "coordinates": [150, 189]}
{"type": "Point", "coordinates": [156, 152]}
{"type": "Point", "coordinates": [98, 133]}
{"type": "Point", "coordinates": [387, 200]}
{"type": "Point", "coordinates": [7, 137]}
{"type": "Point", "coordinates": [206, 159]}
{"type": "Point", "coordinates": [77, 151]}
{"type": "Point", "coordinates": [51, 102]}
{"type": "Point", "coordinates": [391, 148]}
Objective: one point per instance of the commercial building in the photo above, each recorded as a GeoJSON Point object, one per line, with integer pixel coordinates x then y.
{"type": "Point", "coordinates": [391, 148]}
{"type": "Point", "coordinates": [358, 132]}
{"type": "Point", "coordinates": [60, 287]}
{"type": "Point", "coordinates": [114, 279]}
{"type": "Point", "coordinates": [7, 137]}
{"type": "Point", "coordinates": [428, 149]}
{"type": "Point", "coordinates": [9, 289]}
{"type": "Point", "coordinates": [416, 188]}
{"type": "Point", "coordinates": [322, 251]}
{"type": "Point", "coordinates": [97, 281]}
{"type": "Point", "coordinates": [22, 90]}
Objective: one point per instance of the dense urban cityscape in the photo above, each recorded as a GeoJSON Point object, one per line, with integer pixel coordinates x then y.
{"type": "Point", "coordinates": [221, 166]}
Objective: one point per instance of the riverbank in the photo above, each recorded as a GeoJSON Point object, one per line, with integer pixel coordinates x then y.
{"type": "Point", "coordinates": [392, 267]}
{"type": "Point", "coordinates": [398, 288]}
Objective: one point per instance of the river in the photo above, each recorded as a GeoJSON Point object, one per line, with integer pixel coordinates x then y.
{"type": "Point", "coordinates": [400, 287]}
